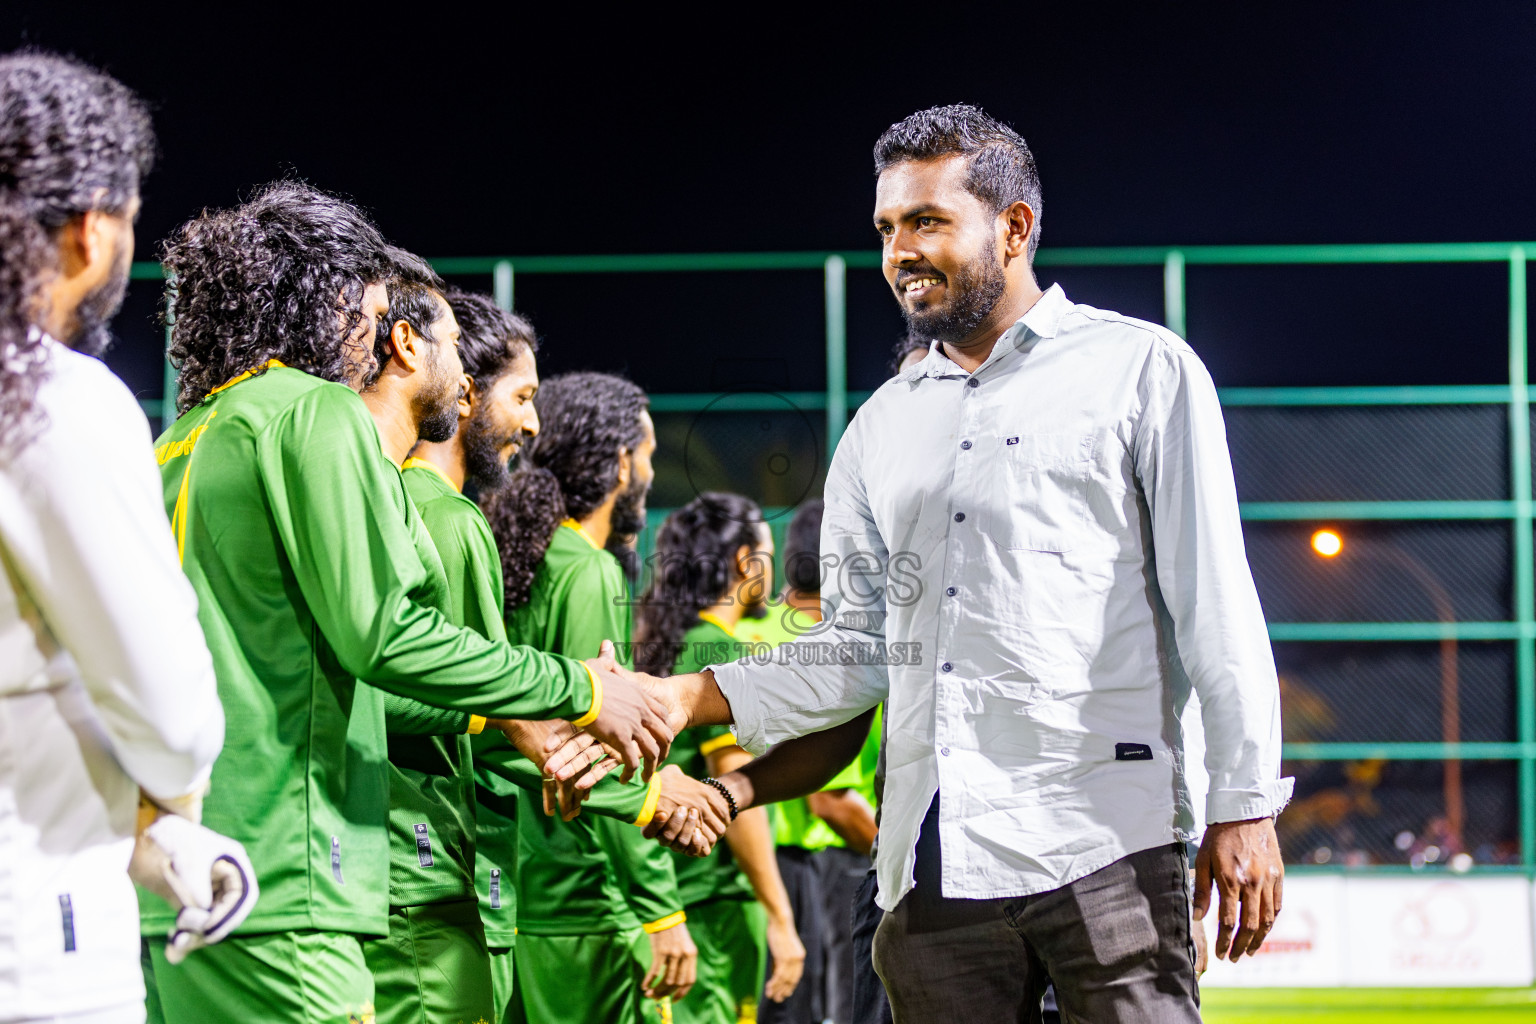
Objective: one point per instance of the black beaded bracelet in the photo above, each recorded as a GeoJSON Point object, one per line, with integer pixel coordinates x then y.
{"type": "Point", "coordinates": [723, 792]}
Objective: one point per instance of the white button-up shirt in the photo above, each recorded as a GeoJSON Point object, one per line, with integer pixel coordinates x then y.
{"type": "Point", "coordinates": [1032, 565]}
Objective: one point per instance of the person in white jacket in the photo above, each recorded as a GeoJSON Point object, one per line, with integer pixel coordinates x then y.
{"type": "Point", "coordinates": [106, 685]}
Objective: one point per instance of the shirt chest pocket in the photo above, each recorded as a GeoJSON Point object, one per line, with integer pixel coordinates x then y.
{"type": "Point", "coordinates": [1038, 490]}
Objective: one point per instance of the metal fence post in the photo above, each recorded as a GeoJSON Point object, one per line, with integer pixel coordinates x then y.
{"type": "Point", "coordinates": [836, 285]}
{"type": "Point", "coordinates": [1173, 292]}
{"type": "Point", "coordinates": [1525, 573]}
{"type": "Point", "coordinates": [168, 398]}
{"type": "Point", "coordinates": [501, 284]}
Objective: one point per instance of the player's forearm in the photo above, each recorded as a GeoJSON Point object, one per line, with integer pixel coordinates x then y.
{"type": "Point", "coordinates": [847, 814]}
{"type": "Point", "coordinates": [751, 840]}
{"type": "Point", "coordinates": [407, 717]}
{"type": "Point", "coordinates": [701, 699]}
{"type": "Point", "coordinates": [798, 767]}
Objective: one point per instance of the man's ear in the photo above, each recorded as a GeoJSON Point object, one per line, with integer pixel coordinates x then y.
{"type": "Point", "coordinates": [1017, 224]}
{"type": "Point", "coordinates": [744, 567]}
{"type": "Point", "coordinates": [626, 462]}
{"type": "Point", "coordinates": [75, 242]}
{"type": "Point", "coordinates": [404, 345]}
{"type": "Point", "coordinates": [470, 399]}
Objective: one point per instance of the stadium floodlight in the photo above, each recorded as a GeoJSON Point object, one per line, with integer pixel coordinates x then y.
{"type": "Point", "coordinates": [1327, 543]}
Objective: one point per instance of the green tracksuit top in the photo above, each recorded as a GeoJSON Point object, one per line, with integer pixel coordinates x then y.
{"type": "Point", "coordinates": [431, 780]}
{"type": "Point", "coordinates": [593, 874]}
{"type": "Point", "coordinates": [295, 531]}
{"type": "Point", "coordinates": [716, 876]}
{"type": "Point", "coordinates": [499, 772]}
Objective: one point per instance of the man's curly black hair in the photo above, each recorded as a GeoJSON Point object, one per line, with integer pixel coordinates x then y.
{"type": "Point", "coordinates": [695, 566]}
{"type": "Point", "coordinates": [568, 470]}
{"type": "Point", "coordinates": [72, 139]}
{"type": "Point", "coordinates": [490, 338]}
{"type": "Point", "coordinates": [278, 277]}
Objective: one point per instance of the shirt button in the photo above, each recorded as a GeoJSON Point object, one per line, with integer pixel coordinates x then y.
{"type": "Point", "coordinates": [946, 666]}
{"type": "Point", "coordinates": [973, 383]}
{"type": "Point", "coordinates": [959, 517]}
{"type": "Point", "coordinates": [966, 445]}
{"type": "Point", "coordinates": [950, 591]}
{"type": "Point", "coordinates": [944, 751]}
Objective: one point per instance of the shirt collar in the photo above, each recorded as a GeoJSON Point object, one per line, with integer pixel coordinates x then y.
{"type": "Point", "coordinates": [416, 463]}
{"type": "Point", "coordinates": [1042, 320]}
{"type": "Point", "coordinates": [718, 623]}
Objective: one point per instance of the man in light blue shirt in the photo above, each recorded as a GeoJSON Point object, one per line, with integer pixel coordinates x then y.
{"type": "Point", "coordinates": [1034, 557]}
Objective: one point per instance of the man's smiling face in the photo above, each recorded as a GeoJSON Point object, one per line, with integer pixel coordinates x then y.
{"type": "Point", "coordinates": [939, 247]}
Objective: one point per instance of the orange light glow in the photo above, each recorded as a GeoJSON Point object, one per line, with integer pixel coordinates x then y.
{"type": "Point", "coordinates": [1327, 543]}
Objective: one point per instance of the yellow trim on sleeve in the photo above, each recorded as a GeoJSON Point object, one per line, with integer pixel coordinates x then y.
{"type": "Point", "coordinates": [571, 524]}
{"type": "Point", "coordinates": [720, 742]}
{"type": "Point", "coordinates": [652, 795]}
{"type": "Point", "coordinates": [718, 623]}
{"type": "Point", "coordinates": [476, 725]}
{"type": "Point", "coordinates": [597, 700]}
{"type": "Point", "coordinates": [670, 921]}
{"type": "Point", "coordinates": [414, 463]}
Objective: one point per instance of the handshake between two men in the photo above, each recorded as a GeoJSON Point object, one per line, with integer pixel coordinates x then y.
{"type": "Point", "coordinates": [637, 718]}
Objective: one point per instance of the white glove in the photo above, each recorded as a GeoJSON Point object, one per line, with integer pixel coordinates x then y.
{"type": "Point", "coordinates": [207, 877]}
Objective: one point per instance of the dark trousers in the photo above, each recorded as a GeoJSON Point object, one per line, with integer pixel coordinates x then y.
{"type": "Point", "coordinates": [841, 872]}
{"type": "Point", "coordinates": [1116, 943]}
{"type": "Point", "coordinates": [804, 1006]}
{"type": "Point", "coordinates": [870, 1005]}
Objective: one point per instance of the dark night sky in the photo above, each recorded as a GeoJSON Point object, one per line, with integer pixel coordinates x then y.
{"type": "Point", "coordinates": [1370, 122]}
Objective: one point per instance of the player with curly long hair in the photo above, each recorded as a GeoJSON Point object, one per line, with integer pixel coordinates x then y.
{"type": "Point", "coordinates": [591, 897]}
{"type": "Point", "coordinates": [714, 567]}
{"type": "Point", "coordinates": [296, 532]}
{"type": "Point", "coordinates": [106, 684]}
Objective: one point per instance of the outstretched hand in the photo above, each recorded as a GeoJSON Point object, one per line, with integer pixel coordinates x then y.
{"type": "Point", "coordinates": [631, 722]}
{"type": "Point", "coordinates": [1242, 858]}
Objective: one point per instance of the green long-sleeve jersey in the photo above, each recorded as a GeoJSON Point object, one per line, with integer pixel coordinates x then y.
{"type": "Point", "coordinates": [294, 530]}
{"type": "Point", "coordinates": [499, 772]}
{"type": "Point", "coordinates": [590, 875]}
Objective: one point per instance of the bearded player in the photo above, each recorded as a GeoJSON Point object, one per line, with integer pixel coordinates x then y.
{"type": "Point", "coordinates": [294, 529]}
{"type": "Point", "coordinates": [496, 414]}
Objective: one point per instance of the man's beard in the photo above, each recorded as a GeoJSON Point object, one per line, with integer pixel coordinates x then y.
{"type": "Point", "coordinates": [483, 445]}
{"type": "Point", "coordinates": [437, 408]}
{"type": "Point", "coordinates": [971, 295]}
{"type": "Point", "coordinates": [95, 312]}
{"type": "Point", "coordinates": [629, 510]}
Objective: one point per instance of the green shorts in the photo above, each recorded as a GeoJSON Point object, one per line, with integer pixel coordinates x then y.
{"type": "Point", "coordinates": [584, 979]}
{"type": "Point", "coordinates": [273, 978]}
{"type": "Point", "coordinates": [732, 936]}
{"type": "Point", "coordinates": [434, 968]}
{"type": "Point", "coordinates": [503, 986]}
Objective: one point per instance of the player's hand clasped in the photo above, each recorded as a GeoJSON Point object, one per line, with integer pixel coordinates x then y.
{"type": "Point", "coordinates": [691, 817]}
{"type": "Point", "coordinates": [631, 722]}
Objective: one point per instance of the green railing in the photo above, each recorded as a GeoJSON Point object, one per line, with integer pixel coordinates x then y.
{"type": "Point", "coordinates": [836, 401]}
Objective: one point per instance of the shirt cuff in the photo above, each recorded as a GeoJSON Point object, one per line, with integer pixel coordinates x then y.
{"type": "Point", "coordinates": [746, 709]}
{"type": "Point", "coordinates": [661, 925]}
{"type": "Point", "coordinates": [652, 795]}
{"type": "Point", "coordinates": [597, 700]}
{"type": "Point", "coordinates": [1266, 801]}
{"type": "Point", "coordinates": [476, 725]}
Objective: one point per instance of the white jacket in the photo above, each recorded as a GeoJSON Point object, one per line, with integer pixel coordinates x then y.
{"type": "Point", "coordinates": [106, 685]}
